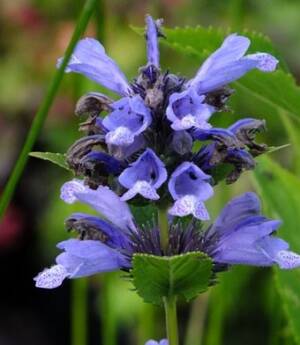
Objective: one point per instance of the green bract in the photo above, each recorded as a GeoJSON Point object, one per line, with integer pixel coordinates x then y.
{"type": "Point", "coordinates": [184, 275]}
{"type": "Point", "coordinates": [55, 158]}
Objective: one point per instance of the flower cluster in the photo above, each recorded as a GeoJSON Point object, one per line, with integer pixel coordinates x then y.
{"type": "Point", "coordinates": [144, 151]}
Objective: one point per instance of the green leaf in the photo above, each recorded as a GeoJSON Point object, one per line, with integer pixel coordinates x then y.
{"type": "Point", "coordinates": [277, 89]}
{"type": "Point", "coordinates": [144, 214]}
{"type": "Point", "coordinates": [184, 275]}
{"type": "Point", "coordinates": [56, 158]}
{"type": "Point", "coordinates": [280, 191]}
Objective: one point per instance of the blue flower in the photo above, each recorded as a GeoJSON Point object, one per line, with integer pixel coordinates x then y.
{"type": "Point", "coordinates": [154, 342]}
{"type": "Point", "coordinates": [189, 187]}
{"type": "Point", "coordinates": [187, 109]}
{"type": "Point", "coordinates": [89, 58]}
{"type": "Point", "coordinates": [229, 63]}
{"type": "Point", "coordinates": [144, 176]}
{"type": "Point", "coordinates": [241, 235]}
{"type": "Point", "coordinates": [86, 257]}
{"type": "Point", "coordinates": [129, 118]}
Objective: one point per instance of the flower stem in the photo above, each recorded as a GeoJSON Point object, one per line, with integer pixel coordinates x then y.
{"type": "Point", "coordinates": [42, 112]}
{"type": "Point", "coordinates": [163, 228]}
{"type": "Point", "coordinates": [79, 320]}
{"type": "Point", "coordinates": [171, 319]}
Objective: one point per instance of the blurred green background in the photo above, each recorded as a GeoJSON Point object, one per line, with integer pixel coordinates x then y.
{"type": "Point", "coordinates": [245, 308]}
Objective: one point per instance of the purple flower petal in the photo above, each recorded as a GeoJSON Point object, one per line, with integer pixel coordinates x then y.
{"type": "Point", "coordinates": [85, 258]}
{"type": "Point", "coordinates": [103, 162]}
{"type": "Point", "coordinates": [144, 176]}
{"type": "Point", "coordinates": [80, 259]}
{"type": "Point", "coordinates": [189, 204]}
{"type": "Point", "coordinates": [112, 235]}
{"type": "Point", "coordinates": [228, 64]}
{"type": "Point", "coordinates": [189, 188]}
{"type": "Point", "coordinates": [241, 235]}
{"type": "Point", "coordinates": [277, 250]}
{"type": "Point", "coordinates": [237, 211]}
{"type": "Point", "coordinates": [52, 277]}
{"type": "Point", "coordinates": [154, 342]}
{"type": "Point", "coordinates": [182, 142]}
{"type": "Point", "coordinates": [129, 119]}
{"type": "Point", "coordinates": [144, 189]}
{"type": "Point", "coordinates": [123, 152]}
{"type": "Point", "coordinates": [186, 109]}
{"type": "Point", "coordinates": [89, 58]}
{"type": "Point", "coordinates": [103, 200]}
{"type": "Point", "coordinates": [264, 62]}
{"type": "Point", "coordinates": [152, 35]}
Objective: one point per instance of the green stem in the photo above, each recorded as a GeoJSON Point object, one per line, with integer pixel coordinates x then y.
{"type": "Point", "coordinates": [163, 228]}
{"type": "Point", "coordinates": [79, 311]}
{"type": "Point", "coordinates": [100, 16]}
{"type": "Point", "coordinates": [107, 313]}
{"type": "Point", "coordinates": [171, 320]}
{"type": "Point", "coordinates": [236, 14]}
{"type": "Point", "coordinates": [42, 112]}
{"type": "Point", "coordinates": [195, 327]}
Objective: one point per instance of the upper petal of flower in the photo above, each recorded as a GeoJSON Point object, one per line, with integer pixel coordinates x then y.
{"type": "Point", "coordinates": [84, 258]}
{"type": "Point", "coordinates": [152, 35]}
{"type": "Point", "coordinates": [189, 188]}
{"type": "Point", "coordinates": [186, 109]}
{"type": "Point", "coordinates": [241, 235]}
{"type": "Point", "coordinates": [144, 176]}
{"type": "Point", "coordinates": [188, 179]}
{"type": "Point", "coordinates": [103, 200]}
{"type": "Point", "coordinates": [100, 163]}
{"type": "Point", "coordinates": [233, 48]}
{"type": "Point", "coordinates": [228, 63]}
{"type": "Point", "coordinates": [89, 58]}
{"type": "Point", "coordinates": [237, 211]}
{"type": "Point", "coordinates": [95, 228]}
{"type": "Point", "coordinates": [129, 119]}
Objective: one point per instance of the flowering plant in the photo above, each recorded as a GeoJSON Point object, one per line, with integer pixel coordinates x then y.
{"type": "Point", "coordinates": [156, 146]}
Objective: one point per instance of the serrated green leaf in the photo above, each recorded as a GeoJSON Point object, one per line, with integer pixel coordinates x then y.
{"type": "Point", "coordinates": [55, 158]}
{"type": "Point", "coordinates": [281, 192]}
{"type": "Point", "coordinates": [184, 275]}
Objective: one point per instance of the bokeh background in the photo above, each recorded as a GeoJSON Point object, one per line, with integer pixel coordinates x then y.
{"type": "Point", "coordinates": [244, 309]}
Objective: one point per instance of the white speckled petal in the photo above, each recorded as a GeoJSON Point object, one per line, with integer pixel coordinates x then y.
{"type": "Point", "coordinates": [143, 188]}
{"type": "Point", "coordinates": [287, 259]}
{"type": "Point", "coordinates": [51, 278]}
{"type": "Point", "coordinates": [69, 189]}
{"type": "Point", "coordinates": [121, 136]}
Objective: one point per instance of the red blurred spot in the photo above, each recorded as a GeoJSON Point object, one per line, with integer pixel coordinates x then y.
{"type": "Point", "coordinates": [26, 16]}
{"type": "Point", "coordinates": [11, 228]}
